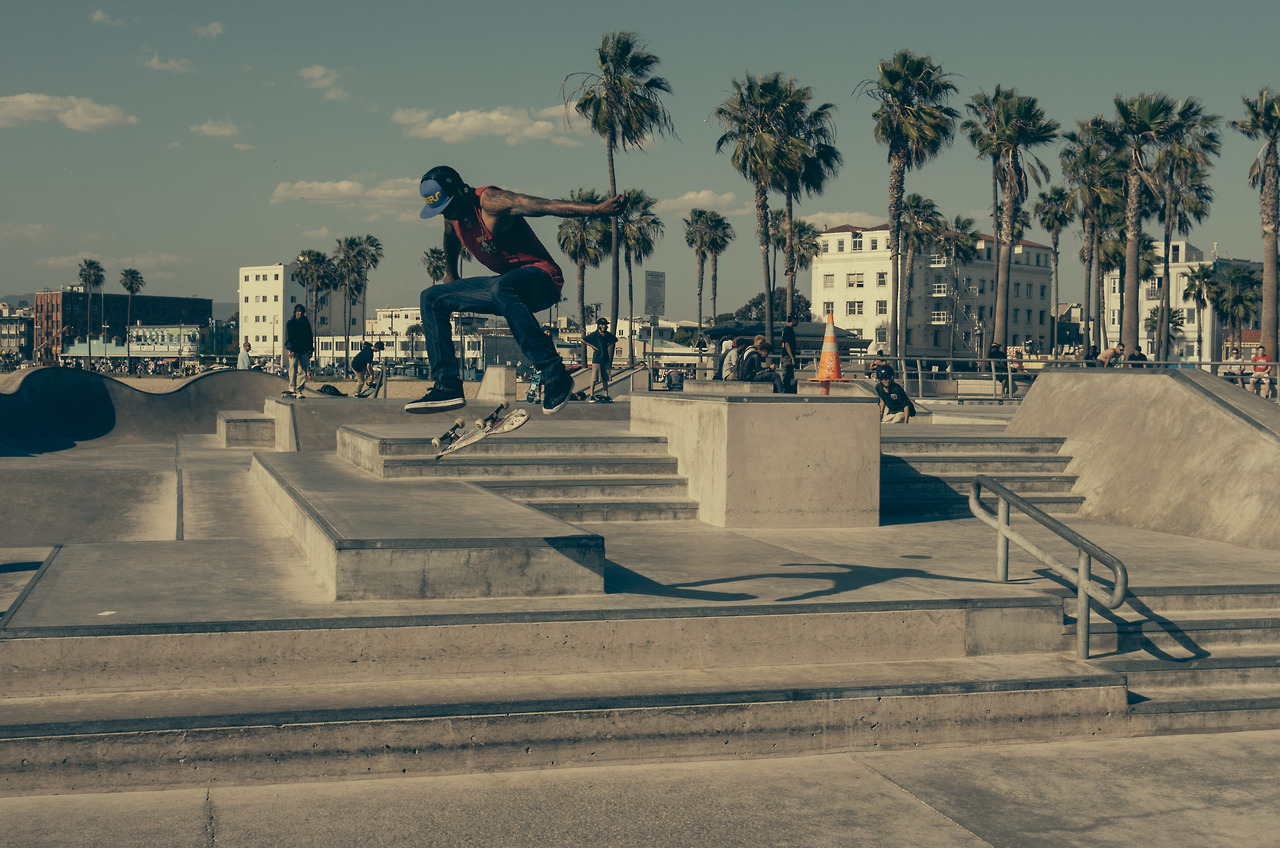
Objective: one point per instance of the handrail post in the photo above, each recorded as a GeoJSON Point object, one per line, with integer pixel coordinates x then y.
{"type": "Point", "coordinates": [1084, 562]}
{"type": "Point", "coordinates": [1002, 543]}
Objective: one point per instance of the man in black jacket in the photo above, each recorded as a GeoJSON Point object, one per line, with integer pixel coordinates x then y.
{"type": "Point", "coordinates": [895, 406]}
{"type": "Point", "coordinates": [300, 345]}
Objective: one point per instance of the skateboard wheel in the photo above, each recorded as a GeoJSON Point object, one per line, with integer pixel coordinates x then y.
{"type": "Point", "coordinates": [435, 443]}
{"type": "Point", "coordinates": [479, 422]}
{"type": "Point", "coordinates": [458, 422]}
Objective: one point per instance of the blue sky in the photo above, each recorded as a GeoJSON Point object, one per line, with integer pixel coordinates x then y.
{"type": "Point", "coordinates": [186, 139]}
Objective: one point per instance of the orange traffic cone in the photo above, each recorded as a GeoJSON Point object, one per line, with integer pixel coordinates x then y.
{"type": "Point", "coordinates": [829, 365]}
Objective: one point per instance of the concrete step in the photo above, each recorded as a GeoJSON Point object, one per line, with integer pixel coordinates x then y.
{"type": "Point", "coordinates": [912, 443]}
{"type": "Point", "coordinates": [79, 660]}
{"type": "Point", "coordinates": [586, 487]}
{"type": "Point", "coordinates": [604, 509]}
{"type": "Point", "coordinates": [949, 503]}
{"type": "Point", "coordinates": [896, 482]}
{"type": "Point", "coordinates": [1173, 599]}
{"type": "Point", "coordinates": [993, 463]}
{"type": "Point", "coordinates": [460, 725]}
{"type": "Point", "coordinates": [246, 428]}
{"type": "Point", "coordinates": [1189, 635]}
{"type": "Point", "coordinates": [1225, 667]}
{"type": "Point", "coordinates": [1204, 709]}
{"type": "Point", "coordinates": [462, 465]}
{"type": "Point", "coordinates": [515, 444]}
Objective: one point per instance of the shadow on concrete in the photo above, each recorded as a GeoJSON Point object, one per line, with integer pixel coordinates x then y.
{"type": "Point", "coordinates": [623, 581]}
{"type": "Point", "coordinates": [849, 578]}
{"type": "Point", "coordinates": [44, 410]}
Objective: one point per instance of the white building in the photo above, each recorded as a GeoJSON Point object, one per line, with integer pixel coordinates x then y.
{"type": "Point", "coordinates": [1184, 257]}
{"type": "Point", "coordinates": [267, 294]}
{"type": "Point", "coordinates": [851, 281]}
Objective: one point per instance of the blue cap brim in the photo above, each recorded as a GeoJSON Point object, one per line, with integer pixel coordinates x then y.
{"type": "Point", "coordinates": [435, 198]}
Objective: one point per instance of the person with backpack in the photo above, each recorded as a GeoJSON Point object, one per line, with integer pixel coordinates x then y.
{"type": "Point", "coordinates": [755, 367]}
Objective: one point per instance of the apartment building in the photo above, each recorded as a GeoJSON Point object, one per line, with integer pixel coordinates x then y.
{"type": "Point", "coordinates": [267, 294]}
{"type": "Point", "coordinates": [947, 309]}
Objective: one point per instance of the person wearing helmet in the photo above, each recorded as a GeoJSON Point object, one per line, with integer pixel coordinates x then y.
{"type": "Point", "coordinates": [895, 406]}
{"type": "Point", "coordinates": [490, 221]}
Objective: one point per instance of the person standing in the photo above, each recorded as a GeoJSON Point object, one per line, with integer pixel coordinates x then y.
{"type": "Point", "coordinates": [490, 221]}
{"type": "Point", "coordinates": [300, 344]}
{"type": "Point", "coordinates": [244, 362]}
{"type": "Point", "coordinates": [789, 360]}
{"type": "Point", "coordinates": [602, 344]}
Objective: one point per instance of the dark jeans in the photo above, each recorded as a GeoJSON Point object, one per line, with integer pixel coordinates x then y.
{"type": "Point", "coordinates": [767, 376]}
{"type": "Point", "coordinates": [515, 295]}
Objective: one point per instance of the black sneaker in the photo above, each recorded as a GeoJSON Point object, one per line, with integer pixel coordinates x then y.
{"type": "Point", "coordinates": [442, 396]}
{"type": "Point", "coordinates": [556, 393]}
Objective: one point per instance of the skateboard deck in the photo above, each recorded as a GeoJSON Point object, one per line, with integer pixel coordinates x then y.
{"type": "Point", "coordinates": [455, 438]}
{"type": "Point", "coordinates": [371, 390]}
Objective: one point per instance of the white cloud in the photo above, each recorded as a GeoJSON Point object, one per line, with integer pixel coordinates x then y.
{"type": "Point", "coordinates": [174, 66]}
{"type": "Point", "coordinates": [160, 265]}
{"type": "Point", "coordinates": [23, 235]}
{"type": "Point", "coordinates": [77, 113]}
{"type": "Point", "coordinates": [242, 146]}
{"type": "Point", "coordinates": [704, 199]}
{"type": "Point", "coordinates": [318, 76]}
{"type": "Point", "coordinates": [209, 32]}
{"type": "Point", "coordinates": [101, 17]}
{"type": "Point", "coordinates": [217, 129]}
{"type": "Point", "coordinates": [827, 220]}
{"type": "Point", "coordinates": [394, 196]}
{"type": "Point", "coordinates": [516, 126]}
{"type": "Point", "coordinates": [323, 233]}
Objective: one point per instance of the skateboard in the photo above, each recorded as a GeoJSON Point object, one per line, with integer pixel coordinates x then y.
{"type": "Point", "coordinates": [455, 438]}
{"type": "Point", "coordinates": [371, 390]}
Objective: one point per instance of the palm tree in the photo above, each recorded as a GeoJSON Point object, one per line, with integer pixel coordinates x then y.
{"type": "Point", "coordinates": [353, 258]}
{"type": "Point", "coordinates": [1263, 122]}
{"type": "Point", "coordinates": [1184, 194]}
{"type": "Point", "coordinates": [915, 123]}
{"type": "Point", "coordinates": [1020, 124]}
{"type": "Point", "coordinates": [413, 332]}
{"type": "Point", "coordinates": [132, 283]}
{"type": "Point", "coordinates": [755, 127]}
{"type": "Point", "coordinates": [639, 229]}
{"type": "Point", "coordinates": [433, 261]}
{"type": "Point", "coordinates": [1200, 284]}
{"type": "Point", "coordinates": [921, 223]}
{"type": "Point", "coordinates": [622, 105]}
{"type": "Point", "coordinates": [719, 234]}
{"type": "Point", "coordinates": [818, 160]}
{"type": "Point", "coordinates": [1055, 210]}
{"type": "Point", "coordinates": [1092, 171]}
{"type": "Point", "coordinates": [1173, 326]}
{"type": "Point", "coordinates": [585, 241]}
{"type": "Point", "coordinates": [91, 276]}
{"type": "Point", "coordinates": [370, 258]}
{"type": "Point", "coordinates": [978, 129]}
{"type": "Point", "coordinates": [697, 237]}
{"type": "Point", "coordinates": [1235, 298]}
{"type": "Point", "coordinates": [1143, 125]}
{"type": "Point", "coordinates": [958, 243]}
{"type": "Point", "coordinates": [316, 273]}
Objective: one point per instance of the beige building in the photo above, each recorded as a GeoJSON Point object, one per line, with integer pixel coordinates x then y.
{"type": "Point", "coordinates": [851, 281]}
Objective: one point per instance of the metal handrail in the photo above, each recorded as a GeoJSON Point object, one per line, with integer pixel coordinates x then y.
{"type": "Point", "coordinates": [1086, 552]}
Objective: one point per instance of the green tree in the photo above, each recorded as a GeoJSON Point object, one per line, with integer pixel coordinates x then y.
{"type": "Point", "coordinates": [921, 223]}
{"type": "Point", "coordinates": [91, 276]}
{"type": "Point", "coordinates": [433, 260]}
{"type": "Point", "coordinates": [1183, 192]}
{"type": "Point", "coordinates": [754, 119]}
{"type": "Point", "coordinates": [1093, 173]}
{"type": "Point", "coordinates": [1234, 298]}
{"type": "Point", "coordinates": [979, 129]}
{"type": "Point", "coordinates": [1020, 125]}
{"type": "Point", "coordinates": [585, 241]}
{"type": "Point", "coordinates": [316, 272]}
{"type": "Point", "coordinates": [1199, 286]}
{"type": "Point", "coordinates": [353, 258]}
{"type": "Point", "coordinates": [1173, 326]}
{"type": "Point", "coordinates": [1055, 210]}
{"type": "Point", "coordinates": [719, 235]}
{"type": "Point", "coordinates": [697, 236]}
{"type": "Point", "coordinates": [1262, 121]}
{"type": "Point", "coordinates": [622, 104]}
{"type": "Point", "coordinates": [755, 308]}
{"type": "Point", "coordinates": [915, 123]}
{"type": "Point", "coordinates": [640, 229]}
{"type": "Point", "coordinates": [131, 281]}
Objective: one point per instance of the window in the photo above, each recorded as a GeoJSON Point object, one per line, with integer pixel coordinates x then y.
{"type": "Point", "coordinates": [1017, 289]}
{"type": "Point", "coordinates": [982, 285]}
{"type": "Point", "coordinates": [882, 277]}
{"type": "Point", "coordinates": [1191, 316]}
{"type": "Point", "coordinates": [1043, 289]}
{"type": "Point", "coordinates": [988, 254]}
{"type": "Point", "coordinates": [1174, 252]}
{"type": "Point", "coordinates": [277, 276]}
{"type": "Point", "coordinates": [839, 245]}
{"type": "Point", "coordinates": [277, 298]}
{"type": "Point", "coordinates": [853, 307]}
{"type": "Point", "coordinates": [828, 307]}
{"type": "Point", "coordinates": [246, 298]}
{"type": "Point", "coordinates": [828, 281]}
{"type": "Point", "coordinates": [939, 289]}
{"type": "Point", "coordinates": [882, 307]}
{"type": "Point", "coordinates": [824, 246]}
{"type": "Point", "coordinates": [246, 278]}
{"type": "Point", "coordinates": [1152, 292]}
{"type": "Point", "coordinates": [1113, 316]}
{"type": "Point", "coordinates": [1015, 316]}
{"type": "Point", "coordinates": [853, 280]}
{"type": "Point", "coordinates": [882, 335]}
{"type": "Point", "coordinates": [1042, 316]}
{"type": "Point", "coordinates": [936, 343]}
{"type": "Point", "coordinates": [856, 242]}
{"type": "Point", "coordinates": [874, 243]}
{"type": "Point", "coordinates": [982, 312]}
{"type": "Point", "coordinates": [939, 317]}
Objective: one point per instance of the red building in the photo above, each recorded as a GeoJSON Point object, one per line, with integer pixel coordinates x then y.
{"type": "Point", "coordinates": [63, 316]}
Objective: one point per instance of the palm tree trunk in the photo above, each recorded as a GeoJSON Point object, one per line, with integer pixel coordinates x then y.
{"type": "Point", "coordinates": [1099, 326]}
{"type": "Point", "coordinates": [1086, 335]}
{"type": "Point", "coordinates": [631, 314]}
{"type": "Point", "coordinates": [1129, 293]}
{"type": "Point", "coordinates": [897, 182]}
{"type": "Point", "coordinates": [1004, 258]}
{"type": "Point", "coordinates": [1270, 205]}
{"type": "Point", "coordinates": [613, 243]}
{"type": "Point", "coordinates": [762, 232]}
{"type": "Point", "coordinates": [1162, 322]}
{"type": "Point", "coordinates": [1053, 312]}
{"type": "Point", "coordinates": [904, 292]}
{"type": "Point", "coordinates": [790, 265]}
{"type": "Point", "coordinates": [88, 329]}
{"type": "Point", "coordinates": [128, 345]}
{"type": "Point", "coordinates": [582, 310]}
{"type": "Point", "coordinates": [715, 263]}
{"type": "Point", "coordinates": [701, 264]}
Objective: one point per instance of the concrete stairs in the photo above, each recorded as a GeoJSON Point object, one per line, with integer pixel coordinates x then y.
{"type": "Point", "coordinates": [170, 705]}
{"type": "Point", "coordinates": [1196, 659]}
{"type": "Point", "coordinates": [613, 477]}
{"type": "Point", "coordinates": [926, 471]}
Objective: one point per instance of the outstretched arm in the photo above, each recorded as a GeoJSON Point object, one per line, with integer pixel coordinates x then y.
{"type": "Point", "coordinates": [499, 202]}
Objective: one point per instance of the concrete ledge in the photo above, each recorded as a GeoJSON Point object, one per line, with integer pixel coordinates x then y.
{"type": "Point", "coordinates": [239, 428]}
{"type": "Point", "coordinates": [771, 460]}
{"type": "Point", "coordinates": [471, 543]}
{"type": "Point", "coordinates": [498, 384]}
{"type": "Point", "coordinates": [726, 387]}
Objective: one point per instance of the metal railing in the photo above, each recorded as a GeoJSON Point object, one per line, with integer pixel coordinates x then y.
{"type": "Point", "coordinates": [1086, 553]}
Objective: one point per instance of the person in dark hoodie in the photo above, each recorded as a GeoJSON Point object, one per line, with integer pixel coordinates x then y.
{"type": "Point", "coordinates": [300, 344]}
{"type": "Point", "coordinates": [895, 406]}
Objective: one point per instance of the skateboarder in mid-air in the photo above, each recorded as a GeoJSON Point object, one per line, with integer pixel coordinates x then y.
{"type": "Point", "coordinates": [490, 221]}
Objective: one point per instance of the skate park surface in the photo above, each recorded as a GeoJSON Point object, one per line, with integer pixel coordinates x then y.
{"type": "Point", "coordinates": [137, 527]}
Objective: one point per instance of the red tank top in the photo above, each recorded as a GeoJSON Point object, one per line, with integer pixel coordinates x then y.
{"type": "Point", "coordinates": [515, 247]}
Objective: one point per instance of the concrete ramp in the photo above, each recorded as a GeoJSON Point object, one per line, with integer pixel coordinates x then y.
{"type": "Point", "coordinates": [1178, 451]}
{"type": "Point", "coordinates": [43, 410]}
